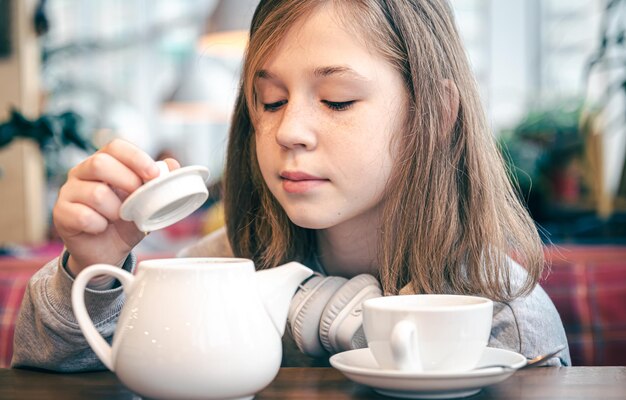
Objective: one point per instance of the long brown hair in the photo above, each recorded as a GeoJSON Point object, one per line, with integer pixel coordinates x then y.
{"type": "Point", "coordinates": [450, 214]}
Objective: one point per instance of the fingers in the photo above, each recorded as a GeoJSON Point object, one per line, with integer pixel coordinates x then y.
{"type": "Point", "coordinates": [91, 198]}
{"type": "Point", "coordinates": [102, 167]}
{"type": "Point", "coordinates": [86, 206]}
{"type": "Point", "coordinates": [76, 218]}
{"type": "Point", "coordinates": [96, 195]}
{"type": "Point", "coordinates": [119, 164]}
{"type": "Point", "coordinates": [172, 164]}
{"type": "Point", "coordinates": [132, 157]}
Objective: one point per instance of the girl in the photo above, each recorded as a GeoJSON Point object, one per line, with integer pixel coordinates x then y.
{"type": "Point", "coordinates": [359, 147]}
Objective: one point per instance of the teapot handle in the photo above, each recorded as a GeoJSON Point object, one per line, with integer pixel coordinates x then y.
{"type": "Point", "coordinates": [95, 340]}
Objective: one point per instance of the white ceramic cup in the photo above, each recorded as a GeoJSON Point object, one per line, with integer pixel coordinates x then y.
{"type": "Point", "coordinates": [421, 333]}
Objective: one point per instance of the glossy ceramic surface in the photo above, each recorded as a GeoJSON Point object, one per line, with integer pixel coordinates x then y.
{"type": "Point", "coordinates": [361, 367]}
{"type": "Point", "coordinates": [204, 328]}
{"type": "Point", "coordinates": [167, 199]}
{"type": "Point", "coordinates": [427, 332]}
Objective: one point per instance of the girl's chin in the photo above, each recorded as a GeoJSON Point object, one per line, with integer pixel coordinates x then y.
{"type": "Point", "coordinates": [310, 222]}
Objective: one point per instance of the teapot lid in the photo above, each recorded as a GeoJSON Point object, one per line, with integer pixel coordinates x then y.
{"type": "Point", "coordinates": [166, 199]}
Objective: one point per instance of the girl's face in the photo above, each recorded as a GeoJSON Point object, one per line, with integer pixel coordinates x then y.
{"type": "Point", "coordinates": [328, 109]}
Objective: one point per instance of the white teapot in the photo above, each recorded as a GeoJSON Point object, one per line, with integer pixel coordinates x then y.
{"type": "Point", "coordinates": [195, 328]}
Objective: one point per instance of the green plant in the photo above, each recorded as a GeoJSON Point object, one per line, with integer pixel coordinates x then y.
{"type": "Point", "coordinates": [52, 133]}
{"type": "Point", "coordinates": [542, 153]}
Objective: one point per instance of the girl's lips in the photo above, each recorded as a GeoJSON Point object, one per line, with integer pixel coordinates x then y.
{"type": "Point", "coordinates": [300, 182]}
{"type": "Point", "coordinates": [298, 176]}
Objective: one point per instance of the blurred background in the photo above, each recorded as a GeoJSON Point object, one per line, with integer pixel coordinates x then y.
{"type": "Point", "coordinates": [163, 74]}
{"type": "Point", "coordinates": [75, 74]}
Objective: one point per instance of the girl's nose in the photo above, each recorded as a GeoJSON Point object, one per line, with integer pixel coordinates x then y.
{"type": "Point", "coordinates": [296, 128]}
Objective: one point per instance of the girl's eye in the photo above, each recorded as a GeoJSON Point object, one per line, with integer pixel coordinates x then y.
{"type": "Point", "coordinates": [338, 105]}
{"type": "Point", "coordinates": [271, 107]}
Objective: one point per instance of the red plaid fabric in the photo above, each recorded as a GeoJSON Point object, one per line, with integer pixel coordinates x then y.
{"type": "Point", "coordinates": [14, 276]}
{"type": "Point", "coordinates": [588, 286]}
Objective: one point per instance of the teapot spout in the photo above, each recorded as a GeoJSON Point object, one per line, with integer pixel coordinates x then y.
{"type": "Point", "coordinates": [277, 287]}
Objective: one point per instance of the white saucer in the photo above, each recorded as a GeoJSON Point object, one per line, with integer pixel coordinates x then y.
{"type": "Point", "coordinates": [361, 367]}
{"type": "Point", "coordinates": [167, 199]}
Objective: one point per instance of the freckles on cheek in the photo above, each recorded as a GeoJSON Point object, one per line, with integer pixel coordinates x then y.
{"type": "Point", "coordinates": [263, 136]}
{"type": "Point", "coordinates": [347, 132]}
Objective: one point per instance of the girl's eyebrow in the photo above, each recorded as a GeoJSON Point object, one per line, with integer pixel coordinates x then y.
{"type": "Point", "coordinates": [320, 72]}
{"type": "Point", "coordinates": [323, 72]}
{"type": "Point", "coordinates": [264, 74]}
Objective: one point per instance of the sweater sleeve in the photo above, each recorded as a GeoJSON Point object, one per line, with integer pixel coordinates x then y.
{"type": "Point", "coordinates": [529, 325]}
{"type": "Point", "coordinates": [46, 333]}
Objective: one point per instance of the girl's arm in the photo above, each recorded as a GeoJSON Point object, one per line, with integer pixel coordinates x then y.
{"type": "Point", "coordinates": [46, 333]}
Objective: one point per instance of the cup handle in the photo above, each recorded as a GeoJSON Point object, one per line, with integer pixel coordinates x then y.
{"type": "Point", "coordinates": [95, 340]}
{"type": "Point", "coordinates": [404, 348]}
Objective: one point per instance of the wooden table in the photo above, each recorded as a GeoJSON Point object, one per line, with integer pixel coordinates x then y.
{"type": "Point", "coordinates": [328, 383]}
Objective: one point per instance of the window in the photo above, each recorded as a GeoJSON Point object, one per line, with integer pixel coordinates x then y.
{"type": "Point", "coordinates": [527, 51]}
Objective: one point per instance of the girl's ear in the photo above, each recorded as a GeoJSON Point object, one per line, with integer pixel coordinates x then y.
{"type": "Point", "coordinates": [451, 104]}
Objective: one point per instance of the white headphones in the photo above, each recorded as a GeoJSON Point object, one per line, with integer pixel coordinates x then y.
{"type": "Point", "coordinates": [325, 315]}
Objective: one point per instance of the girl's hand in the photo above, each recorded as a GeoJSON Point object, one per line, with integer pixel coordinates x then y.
{"type": "Point", "coordinates": [86, 214]}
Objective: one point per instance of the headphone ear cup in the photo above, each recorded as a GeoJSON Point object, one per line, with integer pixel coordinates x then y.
{"type": "Point", "coordinates": [342, 318]}
{"type": "Point", "coordinates": [306, 309]}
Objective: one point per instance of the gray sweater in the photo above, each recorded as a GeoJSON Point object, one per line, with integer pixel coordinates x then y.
{"type": "Point", "coordinates": [47, 335]}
